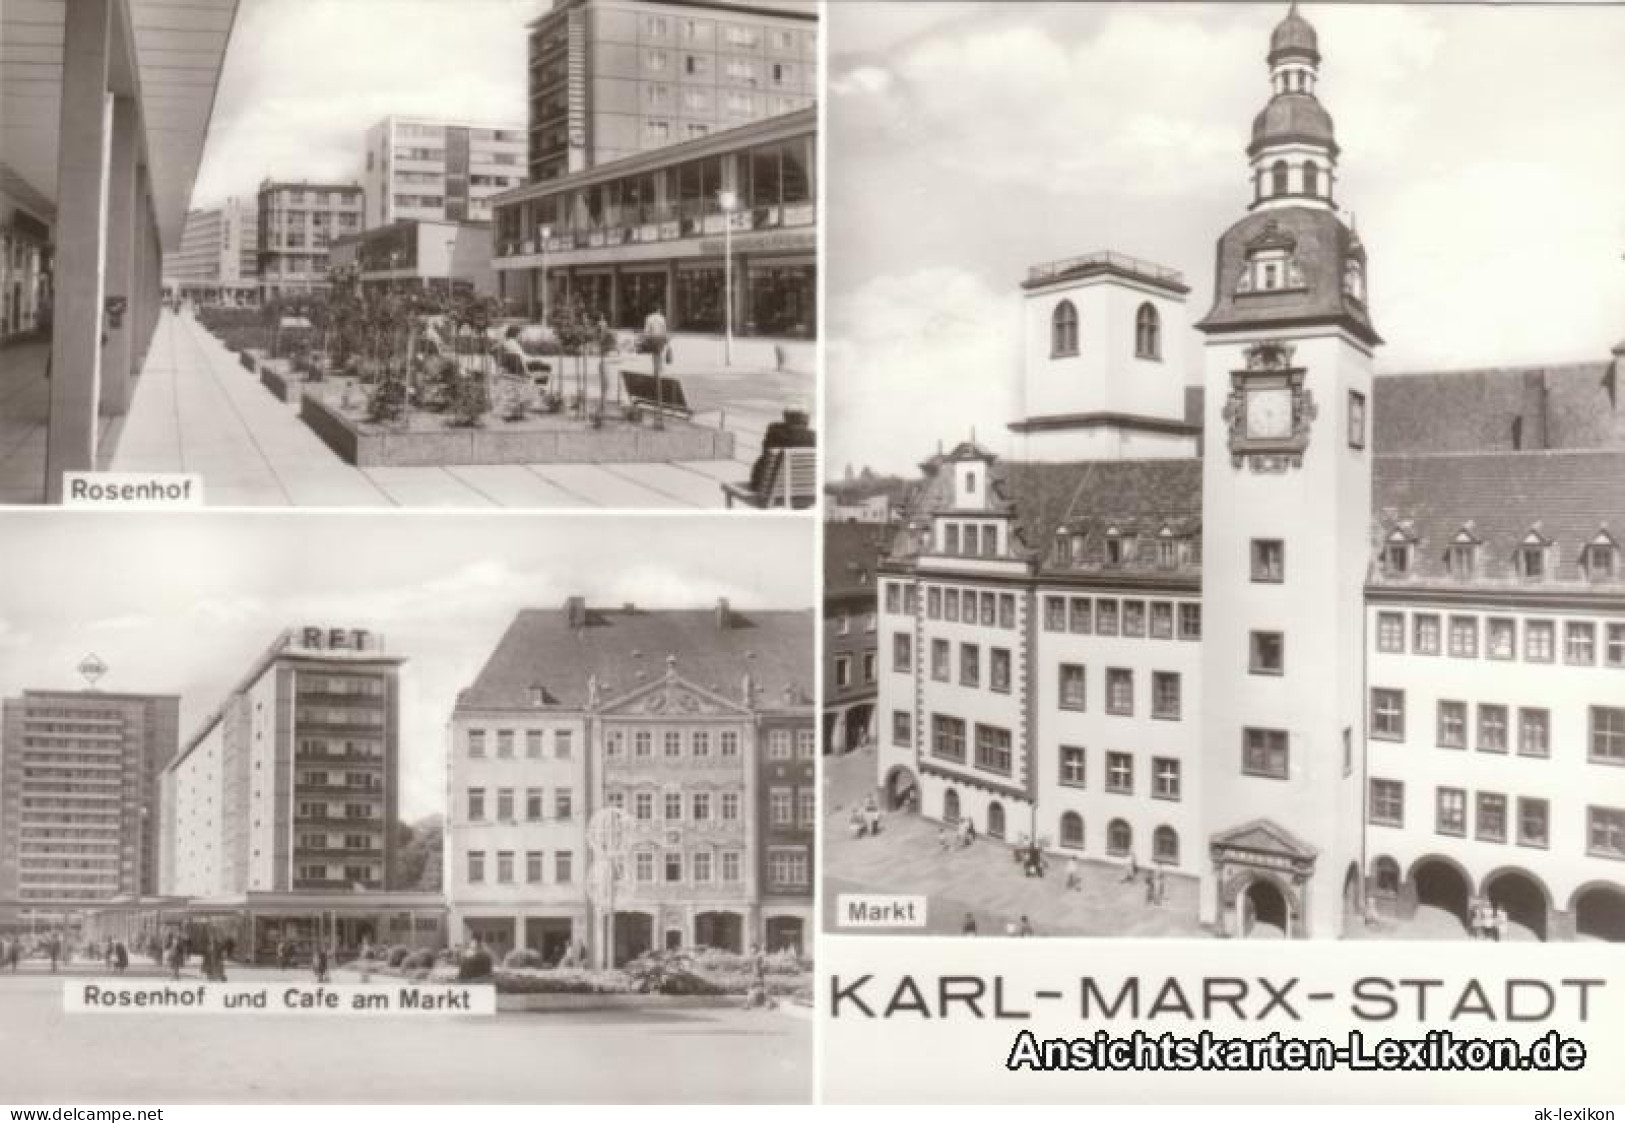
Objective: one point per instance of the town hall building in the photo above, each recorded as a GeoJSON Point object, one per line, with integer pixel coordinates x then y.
{"type": "Point", "coordinates": [1335, 645]}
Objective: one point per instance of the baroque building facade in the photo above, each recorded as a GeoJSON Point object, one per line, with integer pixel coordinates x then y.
{"type": "Point", "coordinates": [1334, 645]}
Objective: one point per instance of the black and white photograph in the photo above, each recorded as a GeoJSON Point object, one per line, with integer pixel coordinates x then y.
{"type": "Point", "coordinates": [1227, 472]}
{"type": "Point", "coordinates": [410, 253]}
{"type": "Point", "coordinates": [295, 753]}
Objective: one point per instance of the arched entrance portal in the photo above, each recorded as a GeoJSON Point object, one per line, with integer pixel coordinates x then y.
{"type": "Point", "coordinates": [723, 930]}
{"type": "Point", "coordinates": [785, 933]}
{"type": "Point", "coordinates": [1264, 915]}
{"type": "Point", "coordinates": [634, 935]}
{"type": "Point", "coordinates": [1599, 914]}
{"type": "Point", "coordinates": [1524, 901]}
{"type": "Point", "coordinates": [902, 790]}
{"type": "Point", "coordinates": [950, 806]}
{"type": "Point", "coordinates": [1440, 885]}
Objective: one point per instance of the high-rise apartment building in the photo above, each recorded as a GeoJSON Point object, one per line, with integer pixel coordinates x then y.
{"type": "Point", "coordinates": [290, 786]}
{"type": "Point", "coordinates": [80, 799]}
{"type": "Point", "coordinates": [297, 223]}
{"type": "Point", "coordinates": [612, 78]}
{"type": "Point", "coordinates": [218, 258]}
{"type": "Point", "coordinates": [439, 170]}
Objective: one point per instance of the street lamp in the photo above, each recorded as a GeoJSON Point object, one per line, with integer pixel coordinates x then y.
{"type": "Point", "coordinates": [543, 235]}
{"type": "Point", "coordinates": [728, 200]}
{"type": "Point", "coordinates": [451, 261]}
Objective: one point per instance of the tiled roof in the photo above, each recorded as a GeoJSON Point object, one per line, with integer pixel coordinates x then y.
{"type": "Point", "coordinates": [1566, 497]}
{"type": "Point", "coordinates": [628, 649]}
{"type": "Point", "coordinates": [1475, 410]}
{"type": "Point", "coordinates": [850, 553]}
{"type": "Point", "coordinates": [1139, 498]}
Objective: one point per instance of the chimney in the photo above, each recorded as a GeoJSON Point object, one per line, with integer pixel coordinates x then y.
{"type": "Point", "coordinates": [1533, 435]}
{"type": "Point", "coordinates": [575, 610]}
{"type": "Point", "coordinates": [724, 617]}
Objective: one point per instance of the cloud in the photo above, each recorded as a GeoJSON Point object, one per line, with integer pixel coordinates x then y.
{"type": "Point", "coordinates": [918, 358]}
{"type": "Point", "coordinates": [13, 637]}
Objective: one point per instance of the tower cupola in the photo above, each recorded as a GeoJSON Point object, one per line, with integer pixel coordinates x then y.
{"type": "Point", "coordinates": [1293, 152]}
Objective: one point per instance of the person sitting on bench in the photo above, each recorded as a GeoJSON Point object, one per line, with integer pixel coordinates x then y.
{"type": "Point", "coordinates": [513, 355]}
{"type": "Point", "coordinates": [792, 432]}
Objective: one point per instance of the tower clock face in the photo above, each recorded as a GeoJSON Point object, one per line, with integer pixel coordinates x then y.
{"type": "Point", "coordinates": [1269, 412]}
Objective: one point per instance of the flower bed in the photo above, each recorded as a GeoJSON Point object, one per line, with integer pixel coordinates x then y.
{"type": "Point", "coordinates": [424, 440]}
{"type": "Point", "coordinates": [282, 380]}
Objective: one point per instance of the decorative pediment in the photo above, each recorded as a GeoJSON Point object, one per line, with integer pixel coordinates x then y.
{"type": "Point", "coordinates": [1272, 237]}
{"type": "Point", "coordinates": [1261, 836]}
{"type": "Point", "coordinates": [1269, 354]}
{"type": "Point", "coordinates": [674, 697]}
{"type": "Point", "coordinates": [1466, 536]}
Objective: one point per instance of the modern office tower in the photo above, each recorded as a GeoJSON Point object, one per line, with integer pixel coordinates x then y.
{"type": "Point", "coordinates": [218, 258]}
{"type": "Point", "coordinates": [297, 223]}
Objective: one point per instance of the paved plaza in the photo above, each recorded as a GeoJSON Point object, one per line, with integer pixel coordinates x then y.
{"type": "Point", "coordinates": [195, 409]}
{"type": "Point", "coordinates": [621, 1056]}
{"type": "Point", "coordinates": [982, 879]}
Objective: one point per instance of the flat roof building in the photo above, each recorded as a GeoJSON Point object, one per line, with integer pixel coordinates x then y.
{"type": "Point", "coordinates": [420, 254]}
{"type": "Point", "coordinates": [612, 78]}
{"type": "Point", "coordinates": [297, 224]}
{"type": "Point", "coordinates": [656, 230]}
{"type": "Point", "coordinates": [80, 797]}
{"type": "Point", "coordinates": [423, 168]}
{"type": "Point", "coordinates": [218, 258]}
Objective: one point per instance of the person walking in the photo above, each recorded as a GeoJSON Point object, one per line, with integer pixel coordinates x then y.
{"type": "Point", "coordinates": [1499, 924]}
{"type": "Point", "coordinates": [177, 957]}
{"type": "Point", "coordinates": [969, 927]}
{"type": "Point", "coordinates": [1150, 887]}
{"type": "Point", "coordinates": [1161, 889]}
{"type": "Point", "coordinates": [1074, 874]}
{"type": "Point", "coordinates": [54, 950]}
{"type": "Point", "coordinates": [1133, 873]}
{"type": "Point", "coordinates": [320, 963]}
{"type": "Point", "coordinates": [657, 339]}
{"type": "Point", "coordinates": [1026, 927]}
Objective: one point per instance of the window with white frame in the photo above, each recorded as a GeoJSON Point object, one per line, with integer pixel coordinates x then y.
{"type": "Point", "coordinates": [1165, 778]}
{"type": "Point", "coordinates": [1607, 735]}
{"type": "Point", "coordinates": [1120, 773]}
{"type": "Point", "coordinates": [1073, 769]}
{"type": "Point", "coordinates": [1387, 802]}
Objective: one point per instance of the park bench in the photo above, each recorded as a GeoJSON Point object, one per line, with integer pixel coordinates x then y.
{"type": "Point", "coordinates": [791, 481]}
{"type": "Point", "coordinates": [640, 391]}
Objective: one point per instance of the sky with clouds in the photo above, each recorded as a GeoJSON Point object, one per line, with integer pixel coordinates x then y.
{"type": "Point", "coordinates": [304, 79]}
{"type": "Point", "coordinates": [1483, 154]}
{"type": "Point", "coordinates": [183, 603]}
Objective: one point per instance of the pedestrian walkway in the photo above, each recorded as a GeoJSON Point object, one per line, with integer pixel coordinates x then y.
{"type": "Point", "coordinates": [196, 409]}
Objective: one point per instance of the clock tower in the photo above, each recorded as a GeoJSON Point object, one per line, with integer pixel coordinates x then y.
{"type": "Point", "coordinates": [1286, 500]}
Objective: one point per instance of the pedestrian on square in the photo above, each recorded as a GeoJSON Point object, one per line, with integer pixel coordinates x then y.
{"type": "Point", "coordinates": [969, 927]}
{"type": "Point", "coordinates": [872, 818]}
{"type": "Point", "coordinates": [1026, 928]}
{"type": "Point", "coordinates": [1500, 924]}
{"type": "Point", "coordinates": [177, 958]}
{"type": "Point", "coordinates": [1133, 873]}
{"type": "Point", "coordinates": [1150, 887]}
{"type": "Point", "coordinates": [319, 963]}
{"type": "Point", "coordinates": [1074, 874]}
{"type": "Point", "coordinates": [55, 952]}
{"type": "Point", "coordinates": [658, 342]}
{"type": "Point", "coordinates": [1161, 888]}
{"type": "Point", "coordinates": [945, 838]}
{"type": "Point", "coordinates": [121, 957]}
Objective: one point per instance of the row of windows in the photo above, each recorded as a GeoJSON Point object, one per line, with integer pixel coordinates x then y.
{"type": "Point", "coordinates": [970, 665]}
{"type": "Point", "coordinates": [1605, 737]}
{"type": "Point", "coordinates": [326, 715]}
{"type": "Point", "coordinates": [1166, 550]}
{"type": "Point", "coordinates": [970, 539]}
{"type": "Point", "coordinates": [563, 805]}
{"type": "Point", "coordinates": [352, 747]}
{"type": "Point", "coordinates": [992, 744]}
{"type": "Point", "coordinates": [563, 867]}
{"type": "Point", "coordinates": [341, 685]}
{"type": "Point", "coordinates": [320, 779]}
{"type": "Point", "coordinates": [1063, 339]}
{"type": "Point", "coordinates": [1605, 826]}
{"type": "Point", "coordinates": [535, 743]}
{"type": "Point", "coordinates": [740, 36]}
{"type": "Point", "coordinates": [1106, 616]}
{"type": "Point", "coordinates": [312, 809]}
{"type": "Point", "coordinates": [991, 610]}
{"type": "Point", "coordinates": [1534, 559]}
{"type": "Point", "coordinates": [1072, 693]}
{"type": "Point", "coordinates": [316, 871]}
{"type": "Point", "coordinates": [1120, 839]}
{"type": "Point", "coordinates": [843, 622]}
{"type": "Point", "coordinates": [782, 744]}
{"type": "Point", "coordinates": [699, 809]}
{"type": "Point", "coordinates": [1167, 781]}
{"type": "Point", "coordinates": [1500, 638]}
{"type": "Point", "coordinates": [843, 670]}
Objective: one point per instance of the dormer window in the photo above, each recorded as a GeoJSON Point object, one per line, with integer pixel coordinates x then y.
{"type": "Point", "coordinates": [1531, 558]}
{"type": "Point", "coordinates": [1119, 548]}
{"type": "Point", "coordinates": [1461, 557]}
{"type": "Point", "coordinates": [1168, 553]}
{"type": "Point", "coordinates": [1147, 332]}
{"type": "Point", "coordinates": [1396, 556]}
{"type": "Point", "coordinates": [1063, 330]}
{"type": "Point", "coordinates": [1601, 558]}
{"type": "Point", "coordinates": [970, 483]}
{"type": "Point", "coordinates": [1063, 548]}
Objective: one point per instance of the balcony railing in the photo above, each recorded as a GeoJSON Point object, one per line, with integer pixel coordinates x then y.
{"type": "Point", "coordinates": [666, 224]}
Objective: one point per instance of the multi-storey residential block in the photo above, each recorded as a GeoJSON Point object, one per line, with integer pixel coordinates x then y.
{"type": "Point", "coordinates": [692, 724]}
{"type": "Point", "coordinates": [218, 258]}
{"type": "Point", "coordinates": [1339, 647]}
{"type": "Point", "coordinates": [80, 799]}
{"type": "Point", "coordinates": [438, 170]}
{"type": "Point", "coordinates": [297, 224]}
{"type": "Point", "coordinates": [613, 78]}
